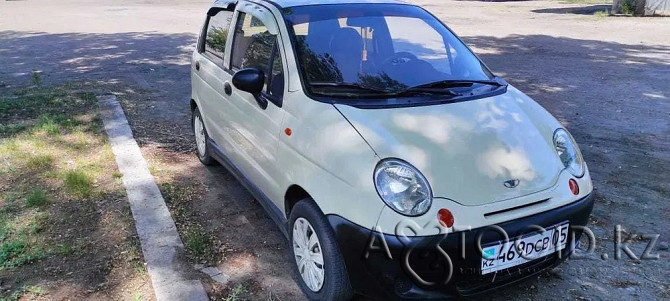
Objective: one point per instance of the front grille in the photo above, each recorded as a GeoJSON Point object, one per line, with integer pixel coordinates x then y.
{"type": "Point", "coordinates": [515, 208]}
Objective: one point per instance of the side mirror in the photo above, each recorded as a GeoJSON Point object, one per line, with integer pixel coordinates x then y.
{"type": "Point", "coordinates": [251, 80]}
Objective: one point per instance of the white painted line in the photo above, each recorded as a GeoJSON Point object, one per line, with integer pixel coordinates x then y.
{"type": "Point", "coordinates": [155, 227]}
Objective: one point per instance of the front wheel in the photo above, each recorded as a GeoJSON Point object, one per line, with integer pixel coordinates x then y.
{"type": "Point", "coordinates": [201, 137]}
{"type": "Point", "coordinates": [319, 265]}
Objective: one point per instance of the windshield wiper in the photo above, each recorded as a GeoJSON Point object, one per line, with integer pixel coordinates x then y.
{"type": "Point", "coordinates": [381, 92]}
{"type": "Point", "coordinates": [425, 90]}
{"type": "Point", "coordinates": [454, 83]}
{"type": "Point", "coordinates": [346, 85]}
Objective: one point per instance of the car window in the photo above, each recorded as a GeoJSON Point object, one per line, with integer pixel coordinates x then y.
{"type": "Point", "coordinates": [252, 44]}
{"type": "Point", "coordinates": [216, 36]}
{"type": "Point", "coordinates": [405, 32]}
{"type": "Point", "coordinates": [276, 80]}
{"type": "Point", "coordinates": [366, 35]}
{"type": "Point", "coordinates": [381, 47]}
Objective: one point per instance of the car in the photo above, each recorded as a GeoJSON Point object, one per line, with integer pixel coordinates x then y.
{"type": "Point", "coordinates": [397, 165]}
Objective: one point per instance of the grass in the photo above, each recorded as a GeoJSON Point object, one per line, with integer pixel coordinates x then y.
{"type": "Point", "coordinates": [19, 239]}
{"type": "Point", "coordinates": [40, 161]}
{"type": "Point", "coordinates": [199, 243]}
{"type": "Point", "coordinates": [65, 249]}
{"type": "Point", "coordinates": [30, 101]}
{"type": "Point", "coordinates": [78, 183]}
{"type": "Point", "coordinates": [601, 14]}
{"type": "Point", "coordinates": [37, 197]}
{"type": "Point", "coordinates": [37, 223]}
{"type": "Point", "coordinates": [196, 240]}
{"type": "Point", "coordinates": [235, 293]}
{"type": "Point", "coordinates": [29, 291]}
{"type": "Point", "coordinates": [137, 296]}
{"type": "Point", "coordinates": [587, 1]}
{"type": "Point", "coordinates": [10, 129]}
{"type": "Point", "coordinates": [47, 123]}
{"type": "Point", "coordinates": [18, 252]}
{"type": "Point", "coordinates": [37, 77]}
{"type": "Point", "coordinates": [628, 7]}
{"type": "Point", "coordinates": [54, 158]}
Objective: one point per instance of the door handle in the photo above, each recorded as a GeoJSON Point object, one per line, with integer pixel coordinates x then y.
{"type": "Point", "coordinates": [227, 88]}
{"type": "Point", "coordinates": [197, 66]}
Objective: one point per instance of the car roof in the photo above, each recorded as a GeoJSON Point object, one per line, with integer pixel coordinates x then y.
{"type": "Point", "coordinates": [291, 3]}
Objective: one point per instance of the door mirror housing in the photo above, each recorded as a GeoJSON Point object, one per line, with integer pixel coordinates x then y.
{"type": "Point", "coordinates": [249, 80]}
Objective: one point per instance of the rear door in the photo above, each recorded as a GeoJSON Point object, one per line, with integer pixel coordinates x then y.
{"type": "Point", "coordinates": [212, 73]}
{"type": "Point", "coordinates": [255, 130]}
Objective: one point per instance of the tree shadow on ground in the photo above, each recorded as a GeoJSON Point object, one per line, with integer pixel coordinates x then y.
{"type": "Point", "coordinates": [149, 72]}
{"type": "Point", "coordinates": [571, 75]}
{"type": "Point", "coordinates": [72, 56]}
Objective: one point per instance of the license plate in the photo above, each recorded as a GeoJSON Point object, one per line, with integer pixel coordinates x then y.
{"type": "Point", "coordinates": [504, 255]}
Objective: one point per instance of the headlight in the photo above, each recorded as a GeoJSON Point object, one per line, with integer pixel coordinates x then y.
{"type": "Point", "coordinates": [403, 187]}
{"type": "Point", "coordinates": [568, 152]}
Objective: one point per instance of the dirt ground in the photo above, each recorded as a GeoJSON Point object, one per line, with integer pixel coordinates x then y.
{"type": "Point", "coordinates": [66, 230]}
{"type": "Point", "coordinates": [606, 78]}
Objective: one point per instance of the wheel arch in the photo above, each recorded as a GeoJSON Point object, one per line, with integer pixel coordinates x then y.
{"type": "Point", "coordinates": [293, 195]}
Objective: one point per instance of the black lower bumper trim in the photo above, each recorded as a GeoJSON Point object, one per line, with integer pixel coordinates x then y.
{"type": "Point", "coordinates": [417, 269]}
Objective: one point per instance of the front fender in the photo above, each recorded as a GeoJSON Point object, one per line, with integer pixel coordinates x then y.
{"type": "Point", "coordinates": [328, 158]}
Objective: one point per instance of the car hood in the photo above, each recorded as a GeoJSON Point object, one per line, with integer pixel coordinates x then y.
{"type": "Point", "coordinates": [468, 150]}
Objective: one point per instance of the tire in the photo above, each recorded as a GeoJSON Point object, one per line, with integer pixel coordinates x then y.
{"type": "Point", "coordinates": [335, 284]}
{"type": "Point", "coordinates": [202, 151]}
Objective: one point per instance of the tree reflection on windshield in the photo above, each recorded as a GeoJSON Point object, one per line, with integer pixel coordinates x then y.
{"type": "Point", "coordinates": [383, 47]}
{"type": "Point", "coordinates": [321, 67]}
{"type": "Point", "coordinates": [381, 81]}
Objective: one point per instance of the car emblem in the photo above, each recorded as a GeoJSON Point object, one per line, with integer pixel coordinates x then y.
{"type": "Point", "coordinates": [511, 183]}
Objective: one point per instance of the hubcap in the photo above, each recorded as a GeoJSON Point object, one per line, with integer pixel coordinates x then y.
{"type": "Point", "coordinates": [308, 256]}
{"type": "Point", "coordinates": [200, 136]}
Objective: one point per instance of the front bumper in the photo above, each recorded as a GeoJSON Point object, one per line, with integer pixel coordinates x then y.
{"type": "Point", "coordinates": [417, 270]}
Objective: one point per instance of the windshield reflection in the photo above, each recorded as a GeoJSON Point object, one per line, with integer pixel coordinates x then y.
{"type": "Point", "coordinates": [384, 47]}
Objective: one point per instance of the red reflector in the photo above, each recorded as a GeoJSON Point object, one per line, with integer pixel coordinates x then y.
{"type": "Point", "coordinates": [573, 186]}
{"type": "Point", "coordinates": [288, 131]}
{"type": "Point", "coordinates": [445, 218]}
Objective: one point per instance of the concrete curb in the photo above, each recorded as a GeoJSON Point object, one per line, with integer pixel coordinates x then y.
{"type": "Point", "coordinates": [155, 227]}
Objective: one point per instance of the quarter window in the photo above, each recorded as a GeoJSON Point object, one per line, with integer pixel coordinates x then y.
{"type": "Point", "coordinates": [276, 84]}
{"type": "Point", "coordinates": [216, 36]}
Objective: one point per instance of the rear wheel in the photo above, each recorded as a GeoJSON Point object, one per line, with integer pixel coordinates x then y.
{"type": "Point", "coordinates": [201, 137]}
{"type": "Point", "coordinates": [319, 265]}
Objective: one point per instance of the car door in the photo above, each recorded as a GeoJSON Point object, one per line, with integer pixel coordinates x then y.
{"type": "Point", "coordinates": [254, 130]}
{"type": "Point", "coordinates": [211, 72]}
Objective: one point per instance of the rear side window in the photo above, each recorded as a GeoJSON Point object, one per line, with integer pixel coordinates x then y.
{"type": "Point", "coordinates": [216, 36]}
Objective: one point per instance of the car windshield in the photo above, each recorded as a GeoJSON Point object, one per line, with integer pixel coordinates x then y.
{"type": "Point", "coordinates": [378, 48]}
